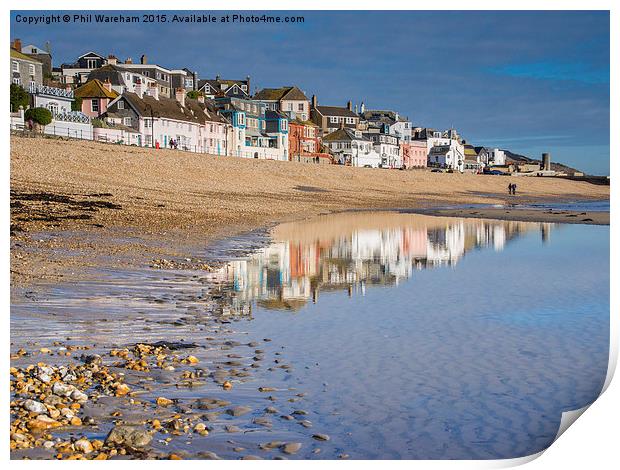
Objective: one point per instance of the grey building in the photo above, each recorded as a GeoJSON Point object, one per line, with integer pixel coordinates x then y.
{"type": "Point", "coordinates": [25, 70]}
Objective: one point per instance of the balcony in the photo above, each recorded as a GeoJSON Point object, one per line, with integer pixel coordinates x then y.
{"type": "Point", "coordinates": [49, 91]}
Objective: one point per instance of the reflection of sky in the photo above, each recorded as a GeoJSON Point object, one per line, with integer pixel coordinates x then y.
{"type": "Point", "coordinates": [540, 79]}
{"type": "Point", "coordinates": [478, 361]}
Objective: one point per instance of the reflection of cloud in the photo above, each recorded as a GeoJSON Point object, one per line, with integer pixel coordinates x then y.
{"type": "Point", "coordinates": [354, 251]}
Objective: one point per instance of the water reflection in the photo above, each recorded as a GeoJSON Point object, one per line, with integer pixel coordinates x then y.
{"type": "Point", "coordinates": [354, 251]}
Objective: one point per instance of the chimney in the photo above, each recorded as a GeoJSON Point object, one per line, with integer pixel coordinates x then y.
{"type": "Point", "coordinates": [247, 78]}
{"type": "Point", "coordinates": [217, 78]}
{"type": "Point", "coordinates": [153, 90]}
{"type": "Point", "coordinates": [107, 85]}
{"type": "Point", "coordinates": [349, 105]}
{"type": "Point", "coordinates": [139, 89]}
{"type": "Point", "coordinates": [362, 108]}
{"type": "Point", "coordinates": [17, 45]}
{"type": "Point", "coordinates": [180, 96]}
{"type": "Point", "coordinates": [112, 60]}
{"type": "Point", "coordinates": [342, 124]}
{"type": "Point", "coordinates": [355, 109]}
{"type": "Point", "coordinates": [129, 60]}
{"type": "Point", "coordinates": [315, 102]}
{"type": "Point", "coordinates": [143, 59]}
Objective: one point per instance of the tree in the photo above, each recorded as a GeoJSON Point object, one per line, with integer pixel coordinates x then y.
{"type": "Point", "coordinates": [19, 97]}
{"type": "Point", "coordinates": [76, 104]}
{"type": "Point", "coordinates": [41, 116]}
{"type": "Point", "coordinates": [194, 94]}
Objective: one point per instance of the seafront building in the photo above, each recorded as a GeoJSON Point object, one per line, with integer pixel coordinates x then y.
{"type": "Point", "coordinates": [147, 104]}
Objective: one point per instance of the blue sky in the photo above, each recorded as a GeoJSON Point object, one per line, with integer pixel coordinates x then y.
{"type": "Point", "coordinates": [526, 81]}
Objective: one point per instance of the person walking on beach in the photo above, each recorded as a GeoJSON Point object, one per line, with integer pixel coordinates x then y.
{"type": "Point", "coordinates": [509, 188]}
{"type": "Point", "coordinates": [514, 188]}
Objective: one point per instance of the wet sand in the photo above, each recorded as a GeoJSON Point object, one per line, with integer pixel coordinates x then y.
{"type": "Point", "coordinates": [526, 215]}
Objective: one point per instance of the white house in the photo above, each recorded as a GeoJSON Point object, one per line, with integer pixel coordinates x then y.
{"type": "Point", "coordinates": [350, 147]}
{"type": "Point", "coordinates": [57, 100]}
{"type": "Point", "coordinates": [388, 148]}
{"type": "Point", "coordinates": [495, 157]}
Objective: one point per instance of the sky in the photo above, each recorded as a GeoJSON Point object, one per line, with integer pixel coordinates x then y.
{"type": "Point", "coordinates": [529, 82]}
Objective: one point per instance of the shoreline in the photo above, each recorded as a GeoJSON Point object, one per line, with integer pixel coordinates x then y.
{"type": "Point", "coordinates": [81, 203]}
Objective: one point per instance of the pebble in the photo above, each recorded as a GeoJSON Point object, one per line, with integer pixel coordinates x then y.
{"type": "Point", "coordinates": [320, 437]}
{"type": "Point", "coordinates": [35, 407]}
{"type": "Point", "coordinates": [291, 447]}
{"type": "Point", "coordinates": [128, 436]}
{"type": "Point", "coordinates": [238, 410]}
{"type": "Point", "coordinates": [83, 445]}
{"type": "Point", "coordinates": [161, 401]}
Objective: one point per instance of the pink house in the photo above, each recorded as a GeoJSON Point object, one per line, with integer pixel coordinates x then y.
{"type": "Point", "coordinates": [414, 154]}
{"type": "Point", "coordinates": [95, 96]}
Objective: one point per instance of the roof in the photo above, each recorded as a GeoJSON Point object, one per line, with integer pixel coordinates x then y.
{"type": "Point", "coordinates": [277, 94]}
{"type": "Point", "coordinates": [30, 47]}
{"type": "Point", "coordinates": [109, 72]}
{"type": "Point", "coordinates": [94, 89]}
{"type": "Point", "coordinates": [18, 55]}
{"type": "Point", "coordinates": [336, 111]}
{"type": "Point", "coordinates": [300, 122]}
{"type": "Point", "coordinates": [193, 111]}
{"type": "Point", "coordinates": [343, 134]}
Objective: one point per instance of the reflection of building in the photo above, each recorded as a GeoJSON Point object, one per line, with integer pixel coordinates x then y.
{"type": "Point", "coordinates": [289, 272]}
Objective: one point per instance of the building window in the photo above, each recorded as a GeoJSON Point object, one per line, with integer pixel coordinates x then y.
{"type": "Point", "coordinates": [53, 107]}
{"type": "Point", "coordinates": [127, 121]}
{"type": "Point", "coordinates": [300, 107]}
{"type": "Point", "coordinates": [120, 105]}
{"type": "Point", "coordinates": [31, 69]}
{"type": "Point", "coordinates": [94, 106]}
{"type": "Point", "coordinates": [15, 66]}
{"type": "Point", "coordinates": [91, 63]}
{"type": "Point", "coordinates": [333, 119]}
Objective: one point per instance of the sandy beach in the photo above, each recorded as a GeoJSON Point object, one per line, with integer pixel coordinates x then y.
{"type": "Point", "coordinates": [129, 202]}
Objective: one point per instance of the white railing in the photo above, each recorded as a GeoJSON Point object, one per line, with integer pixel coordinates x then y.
{"type": "Point", "coordinates": [72, 116]}
{"type": "Point", "coordinates": [49, 91]}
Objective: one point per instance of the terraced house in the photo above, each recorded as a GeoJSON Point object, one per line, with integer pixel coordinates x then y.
{"type": "Point", "coordinates": [220, 88]}
{"type": "Point", "coordinates": [257, 132]}
{"type": "Point", "coordinates": [25, 69]}
{"type": "Point", "coordinates": [160, 120]}
{"type": "Point", "coordinates": [289, 100]}
{"type": "Point", "coordinates": [95, 97]}
{"type": "Point", "coordinates": [330, 118]}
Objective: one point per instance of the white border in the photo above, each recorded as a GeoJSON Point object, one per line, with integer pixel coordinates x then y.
{"type": "Point", "coordinates": [591, 443]}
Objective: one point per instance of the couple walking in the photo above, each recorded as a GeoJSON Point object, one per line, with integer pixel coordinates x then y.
{"type": "Point", "coordinates": [512, 188]}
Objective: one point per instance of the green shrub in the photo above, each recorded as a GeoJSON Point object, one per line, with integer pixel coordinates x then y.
{"type": "Point", "coordinates": [76, 104]}
{"type": "Point", "coordinates": [41, 116]}
{"type": "Point", "coordinates": [100, 123]}
{"type": "Point", "coordinates": [19, 97]}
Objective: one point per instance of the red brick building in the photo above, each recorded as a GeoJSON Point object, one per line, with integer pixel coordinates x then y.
{"type": "Point", "coordinates": [304, 143]}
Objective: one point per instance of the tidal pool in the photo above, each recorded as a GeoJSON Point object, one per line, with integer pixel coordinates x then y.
{"type": "Point", "coordinates": [401, 336]}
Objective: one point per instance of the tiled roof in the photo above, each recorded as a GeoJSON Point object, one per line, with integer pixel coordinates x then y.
{"type": "Point", "coordinates": [277, 94]}
{"type": "Point", "coordinates": [94, 89]}
{"type": "Point", "coordinates": [109, 72]}
{"type": "Point", "coordinates": [335, 111]}
{"type": "Point", "coordinates": [343, 134]}
{"type": "Point", "coordinates": [194, 111]}
{"type": "Point", "coordinates": [18, 55]}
